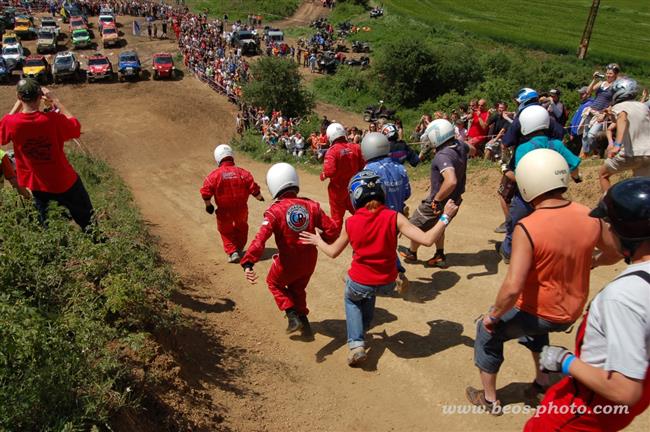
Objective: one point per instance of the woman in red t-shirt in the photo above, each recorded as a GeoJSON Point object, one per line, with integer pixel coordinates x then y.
{"type": "Point", "coordinates": [372, 232]}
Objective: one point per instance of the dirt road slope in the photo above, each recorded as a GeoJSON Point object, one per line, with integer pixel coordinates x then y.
{"type": "Point", "coordinates": [239, 371]}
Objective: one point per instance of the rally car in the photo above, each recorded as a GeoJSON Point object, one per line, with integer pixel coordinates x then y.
{"type": "Point", "coordinates": [49, 23]}
{"type": "Point", "coordinates": [163, 66]}
{"type": "Point", "coordinates": [99, 67]}
{"type": "Point", "coordinates": [110, 36]}
{"type": "Point", "coordinates": [106, 19]}
{"type": "Point", "coordinates": [81, 39]}
{"type": "Point", "coordinates": [13, 56]}
{"type": "Point", "coordinates": [46, 41]}
{"type": "Point", "coordinates": [77, 22]}
{"type": "Point", "coordinates": [65, 67]}
{"type": "Point", "coordinates": [9, 39]}
{"type": "Point", "coordinates": [24, 27]}
{"type": "Point", "coordinates": [129, 66]}
{"type": "Point", "coordinates": [37, 67]}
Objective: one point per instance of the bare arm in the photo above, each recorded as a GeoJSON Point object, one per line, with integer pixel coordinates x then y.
{"type": "Point", "coordinates": [611, 385]}
{"type": "Point", "coordinates": [331, 250]}
{"type": "Point", "coordinates": [430, 237]}
{"type": "Point", "coordinates": [520, 263]}
{"type": "Point", "coordinates": [448, 185]}
{"type": "Point", "coordinates": [607, 248]}
{"type": "Point", "coordinates": [593, 86]}
{"type": "Point", "coordinates": [48, 94]}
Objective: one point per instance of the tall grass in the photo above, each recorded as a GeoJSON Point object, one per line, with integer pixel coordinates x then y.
{"type": "Point", "coordinates": [70, 305]}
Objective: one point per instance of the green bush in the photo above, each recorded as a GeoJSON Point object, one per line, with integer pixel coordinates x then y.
{"type": "Point", "coordinates": [278, 86]}
{"type": "Point", "coordinates": [68, 303]}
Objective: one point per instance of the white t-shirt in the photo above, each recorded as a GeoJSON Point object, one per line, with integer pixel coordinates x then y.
{"type": "Point", "coordinates": [617, 337]}
{"type": "Point", "coordinates": [636, 141]}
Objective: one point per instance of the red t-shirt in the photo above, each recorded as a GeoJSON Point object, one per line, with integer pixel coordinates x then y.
{"type": "Point", "coordinates": [373, 237]}
{"type": "Point", "coordinates": [476, 131]}
{"type": "Point", "coordinates": [38, 139]}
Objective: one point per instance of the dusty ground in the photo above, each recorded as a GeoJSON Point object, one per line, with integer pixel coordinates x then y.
{"type": "Point", "coordinates": [233, 366]}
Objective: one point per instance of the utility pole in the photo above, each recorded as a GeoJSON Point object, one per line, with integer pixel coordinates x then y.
{"type": "Point", "coordinates": [586, 35]}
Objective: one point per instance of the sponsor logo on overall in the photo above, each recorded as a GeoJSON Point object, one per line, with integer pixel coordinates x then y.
{"type": "Point", "coordinates": [297, 218]}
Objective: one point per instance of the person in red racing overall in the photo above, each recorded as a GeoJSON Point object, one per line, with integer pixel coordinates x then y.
{"type": "Point", "coordinates": [342, 161]}
{"type": "Point", "coordinates": [293, 265]}
{"type": "Point", "coordinates": [608, 380]}
{"type": "Point", "coordinates": [230, 186]}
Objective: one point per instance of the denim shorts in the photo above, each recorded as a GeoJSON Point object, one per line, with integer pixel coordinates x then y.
{"type": "Point", "coordinates": [531, 330]}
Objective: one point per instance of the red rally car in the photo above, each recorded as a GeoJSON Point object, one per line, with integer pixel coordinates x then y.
{"type": "Point", "coordinates": [163, 66]}
{"type": "Point", "coordinates": [99, 67]}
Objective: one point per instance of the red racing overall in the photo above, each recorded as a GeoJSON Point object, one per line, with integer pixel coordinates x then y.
{"type": "Point", "coordinates": [294, 263]}
{"type": "Point", "coordinates": [230, 186]}
{"type": "Point", "coordinates": [342, 161]}
{"type": "Point", "coordinates": [581, 418]}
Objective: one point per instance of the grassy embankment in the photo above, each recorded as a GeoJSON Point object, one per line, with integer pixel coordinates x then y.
{"type": "Point", "coordinates": [240, 9]}
{"type": "Point", "coordinates": [76, 316]}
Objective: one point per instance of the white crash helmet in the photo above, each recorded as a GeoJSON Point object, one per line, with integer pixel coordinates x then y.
{"type": "Point", "coordinates": [541, 171]}
{"type": "Point", "coordinates": [438, 132]}
{"type": "Point", "coordinates": [374, 145]}
{"type": "Point", "coordinates": [624, 89]}
{"type": "Point", "coordinates": [391, 132]}
{"type": "Point", "coordinates": [335, 131]}
{"type": "Point", "coordinates": [534, 118]}
{"type": "Point", "coordinates": [281, 176]}
{"type": "Point", "coordinates": [221, 152]}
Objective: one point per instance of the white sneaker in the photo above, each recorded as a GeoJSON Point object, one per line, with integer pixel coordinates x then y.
{"type": "Point", "coordinates": [234, 257]}
{"type": "Point", "coordinates": [357, 356]}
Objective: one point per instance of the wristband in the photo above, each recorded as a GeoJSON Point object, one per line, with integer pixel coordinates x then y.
{"type": "Point", "coordinates": [616, 145]}
{"type": "Point", "coordinates": [247, 266]}
{"type": "Point", "coordinates": [444, 219]}
{"type": "Point", "coordinates": [566, 364]}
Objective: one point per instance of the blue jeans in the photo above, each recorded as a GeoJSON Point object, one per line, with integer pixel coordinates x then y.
{"type": "Point", "coordinates": [532, 332]}
{"type": "Point", "coordinates": [519, 209]}
{"type": "Point", "coordinates": [360, 308]}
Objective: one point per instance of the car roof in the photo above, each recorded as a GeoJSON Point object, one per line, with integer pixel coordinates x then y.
{"type": "Point", "coordinates": [109, 25]}
{"type": "Point", "coordinates": [161, 54]}
{"type": "Point", "coordinates": [35, 57]}
{"type": "Point", "coordinates": [64, 54]}
{"type": "Point", "coordinates": [125, 53]}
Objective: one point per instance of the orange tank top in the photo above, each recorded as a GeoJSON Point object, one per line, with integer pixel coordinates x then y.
{"type": "Point", "coordinates": [563, 240]}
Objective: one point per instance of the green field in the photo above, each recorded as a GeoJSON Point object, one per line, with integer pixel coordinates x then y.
{"type": "Point", "coordinates": [239, 9]}
{"type": "Point", "coordinates": [621, 32]}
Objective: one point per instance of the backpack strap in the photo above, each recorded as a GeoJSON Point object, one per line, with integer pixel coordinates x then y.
{"type": "Point", "coordinates": [639, 273]}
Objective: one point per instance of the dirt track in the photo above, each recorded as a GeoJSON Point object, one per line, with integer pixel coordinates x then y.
{"type": "Point", "coordinates": [239, 371]}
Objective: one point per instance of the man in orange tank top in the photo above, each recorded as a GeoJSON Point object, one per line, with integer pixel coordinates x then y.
{"type": "Point", "coordinates": [547, 283]}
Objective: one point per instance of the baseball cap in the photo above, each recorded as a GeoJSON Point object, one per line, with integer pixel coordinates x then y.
{"type": "Point", "coordinates": [554, 92]}
{"type": "Point", "coordinates": [28, 89]}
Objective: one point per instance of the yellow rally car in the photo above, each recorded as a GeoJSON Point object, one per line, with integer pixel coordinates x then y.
{"type": "Point", "coordinates": [23, 27]}
{"type": "Point", "coordinates": [10, 38]}
{"type": "Point", "coordinates": [37, 67]}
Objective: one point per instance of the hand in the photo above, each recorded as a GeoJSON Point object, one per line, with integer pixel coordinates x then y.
{"type": "Point", "coordinates": [251, 276]}
{"type": "Point", "coordinates": [209, 208]}
{"type": "Point", "coordinates": [260, 197]}
{"type": "Point", "coordinates": [308, 238]}
{"type": "Point", "coordinates": [451, 209]}
{"type": "Point", "coordinates": [437, 207]}
{"type": "Point", "coordinates": [489, 322]}
{"type": "Point", "coordinates": [48, 94]}
{"type": "Point", "coordinates": [322, 176]}
{"type": "Point", "coordinates": [552, 357]}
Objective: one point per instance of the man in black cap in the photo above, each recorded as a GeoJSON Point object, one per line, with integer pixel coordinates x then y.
{"type": "Point", "coordinates": [41, 164]}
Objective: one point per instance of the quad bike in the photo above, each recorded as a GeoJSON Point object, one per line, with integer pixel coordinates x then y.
{"type": "Point", "coordinates": [327, 64]}
{"type": "Point", "coordinates": [377, 112]}
{"type": "Point", "coordinates": [360, 47]}
{"type": "Point", "coordinates": [363, 62]}
{"type": "Point", "coordinates": [376, 12]}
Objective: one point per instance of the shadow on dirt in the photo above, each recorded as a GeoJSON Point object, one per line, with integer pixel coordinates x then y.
{"type": "Point", "coordinates": [335, 329]}
{"type": "Point", "coordinates": [424, 290]}
{"type": "Point", "coordinates": [404, 344]}
{"type": "Point", "coordinates": [486, 257]}
{"type": "Point", "coordinates": [190, 302]}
